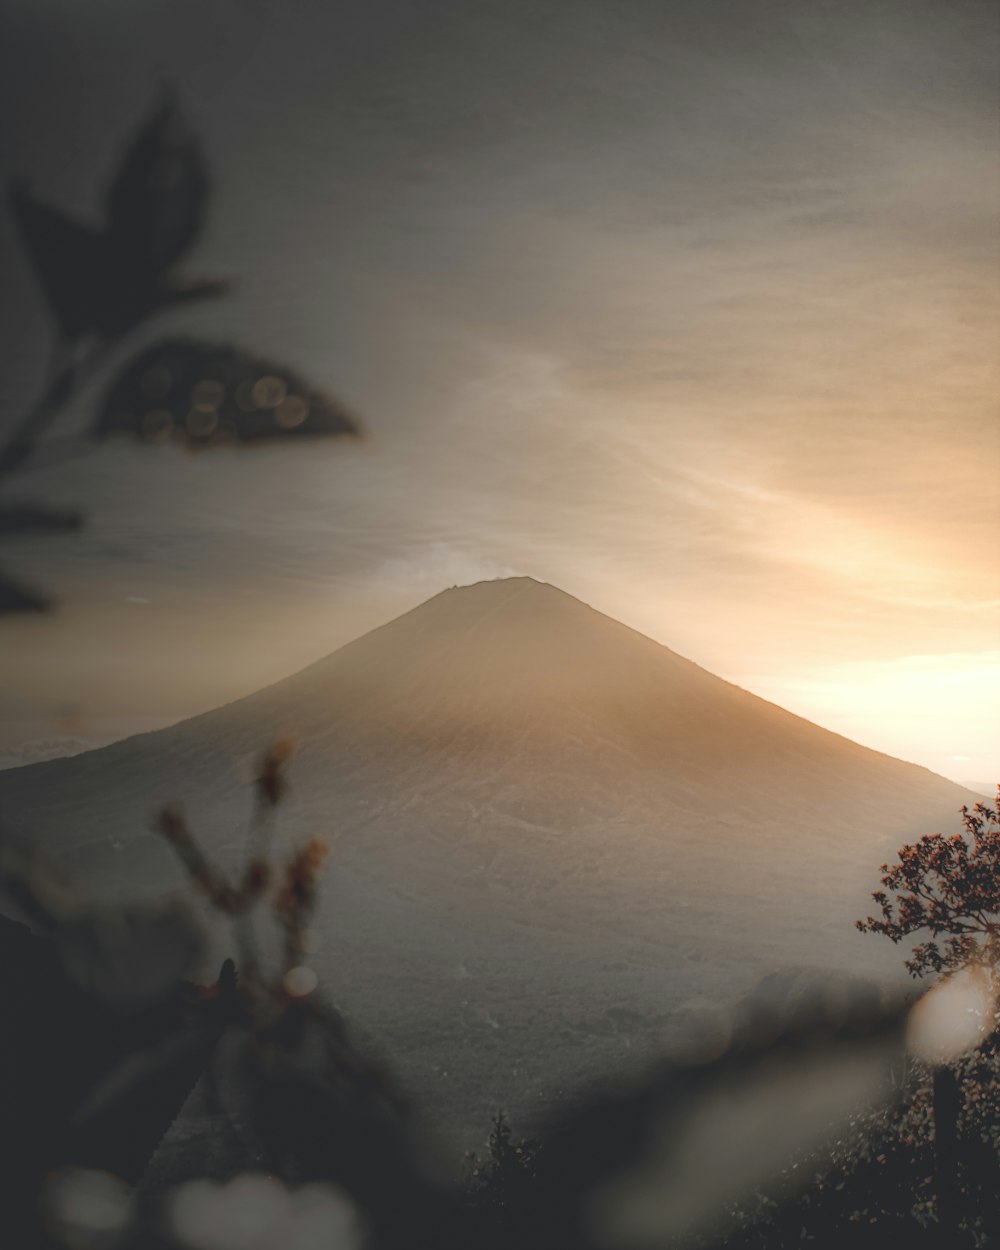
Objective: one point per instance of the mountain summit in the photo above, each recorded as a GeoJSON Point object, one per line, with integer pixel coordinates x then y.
{"type": "Point", "coordinates": [549, 832]}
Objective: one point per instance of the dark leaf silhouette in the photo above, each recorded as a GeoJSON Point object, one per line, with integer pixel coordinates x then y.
{"type": "Point", "coordinates": [158, 197]}
{"type": "Point", "coordinates": [670, 1157]}
{"type": "Point", "coordinates": [209, 395]}
{"type": "Point", "coordinates": [165, 1071]}
{"type": "Point", "coordinates": [17, 598]}
{"type": "Point", "coordinates": [70, 260]}
{"type": "Point", "coordinates": [25, 520]}
{"type": "Point", "coordinates": [125, 955]}
{"type": "Point", "coordinates": [105, 281]}
{"type": "Point", "coordinates": [130, 956]}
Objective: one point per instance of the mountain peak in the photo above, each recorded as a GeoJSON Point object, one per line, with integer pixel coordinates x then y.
{"type": "Point", "coordinates": [505, 588]}
{"type": "Point", "coordinates": [524, 788]}
{"type": "Point", "coordinates": [482, 615]}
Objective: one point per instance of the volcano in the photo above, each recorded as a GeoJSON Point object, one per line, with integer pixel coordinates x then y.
{"type": "Point", "coordinates": [552, 838]}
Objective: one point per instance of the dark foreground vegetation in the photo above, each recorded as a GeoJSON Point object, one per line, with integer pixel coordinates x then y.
{"type": "Point", "coordinates": [843, 1120]}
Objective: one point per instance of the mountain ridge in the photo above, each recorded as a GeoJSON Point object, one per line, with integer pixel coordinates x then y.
{"type": "Point", "coordinates": [538, 817]}
{"type": "Point", "coordinates": [517, 585]}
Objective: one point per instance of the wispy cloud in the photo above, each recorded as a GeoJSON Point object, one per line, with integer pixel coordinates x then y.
{"type": "Point", "coordinates": [690, 308]}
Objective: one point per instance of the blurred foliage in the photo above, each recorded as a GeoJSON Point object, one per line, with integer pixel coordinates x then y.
{"type": "Point", "coordinates": [101, 282]}
{"type": "Point", "coordinates": [201, 396]}
{"type": "Point", "coordinates": [813, 1125]}
{"type": "Point", "coordinates": [106, 279]}
{"type": "Point", "coordinates": [17, 598]}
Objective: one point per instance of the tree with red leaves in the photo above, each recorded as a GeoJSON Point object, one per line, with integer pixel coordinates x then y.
{"type": "Point", "coordinates": [950, 887]}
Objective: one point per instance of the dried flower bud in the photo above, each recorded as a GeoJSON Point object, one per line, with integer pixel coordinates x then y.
{"type": "Point", "coordinates": [271, 784]}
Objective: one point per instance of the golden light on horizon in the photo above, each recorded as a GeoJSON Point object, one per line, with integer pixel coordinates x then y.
{"type": "Point", "coordinates": [935, 710]}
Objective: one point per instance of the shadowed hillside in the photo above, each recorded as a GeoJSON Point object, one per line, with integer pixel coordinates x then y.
{"type": "Point", "coordinates": [552, 837]}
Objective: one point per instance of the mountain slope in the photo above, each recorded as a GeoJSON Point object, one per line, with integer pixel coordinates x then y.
{"type": "Point", "coordinates": [550, 833]}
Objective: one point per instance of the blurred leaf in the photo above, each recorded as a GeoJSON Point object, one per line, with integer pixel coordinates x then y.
{"type": "Point", "coordinates": [141, 1069]}
{"type": "Point", "coordinates": [28, 519]}
{"type": "Point", "coordinates": [211, 395]}
{"type": "Point", "coordinates": [105, 281]}
{"type": "Point", "coordinates": [15, 597]}
{"type": "Point", "coordinates": [87, 1209]}
{"type": "Point", "coordinates": [34, 884]}
{"type": "Point", "coordinates": [158, 197]}
{"type": "Point", "coordinates": [743, 1131]}
{"type": "Point", "coordinates": [671, 1156]}
{"type": "Point", "coordinates": [126, 955]}
{"type": "Point", "coordinates": [130, 956]}
{"type": "Point", "coordinates": [259, 1211]}
{"type": "Point", "coordinates": [70, 261]}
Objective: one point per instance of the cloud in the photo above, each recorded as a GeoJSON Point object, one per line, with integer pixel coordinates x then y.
{"type": "Point", "coordinates": [688, 309]}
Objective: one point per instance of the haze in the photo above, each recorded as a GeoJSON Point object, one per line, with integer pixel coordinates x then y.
{"type": "Point", "coordinates": [554, 841]}
{"type": "Point", "coordinates": [689, 309]}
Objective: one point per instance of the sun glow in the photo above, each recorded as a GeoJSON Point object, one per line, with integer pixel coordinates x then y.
{"type": "Point", "coordinates": [923, 708]}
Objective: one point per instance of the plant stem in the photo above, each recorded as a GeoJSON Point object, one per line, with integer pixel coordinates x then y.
{"type": "Point", "coordinates": [64, 380]}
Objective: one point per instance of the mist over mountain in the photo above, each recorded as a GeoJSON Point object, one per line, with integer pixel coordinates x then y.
{"type": "Point", "coordinates": [553, 839]}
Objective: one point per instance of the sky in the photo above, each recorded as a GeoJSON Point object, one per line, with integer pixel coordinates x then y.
{"type": "Point", "coordinates": [690, 309]}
